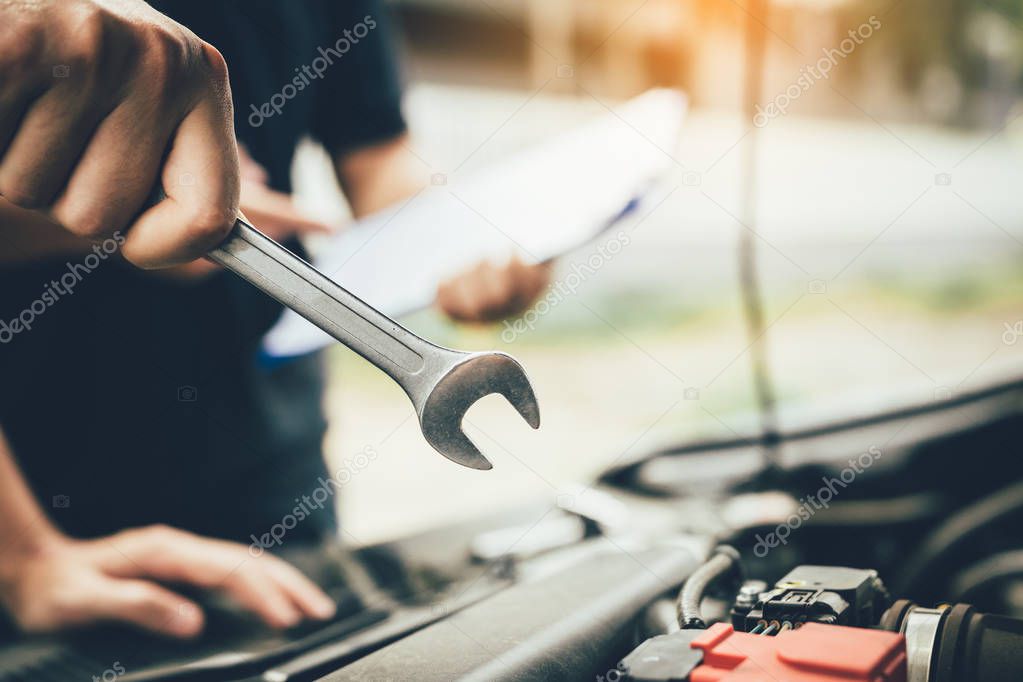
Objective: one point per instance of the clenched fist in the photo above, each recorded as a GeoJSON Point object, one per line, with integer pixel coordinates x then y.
{"type": "Point", "coordinates": [100, 100]}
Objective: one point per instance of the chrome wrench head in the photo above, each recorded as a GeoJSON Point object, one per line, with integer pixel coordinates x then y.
{"type": "Point", "coordinates": [442, 383]}
{"type": "Point", "coordinates": [465, 381]}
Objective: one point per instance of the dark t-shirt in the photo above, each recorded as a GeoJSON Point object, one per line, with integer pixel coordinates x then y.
{"type": "Point", "coordinates": [135, 399]}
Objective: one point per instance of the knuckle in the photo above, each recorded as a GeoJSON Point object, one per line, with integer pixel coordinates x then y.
{"type": "Point", "coordinates": [130, 535]}
{"type": "Point", "coordinates": [21, 195]}
{"type": "Point", "coordinates": [251, 579]}
{"type": "Point", "coordinates": [165, 58]}
{"type": "Point", "coordinates": [250, 573]}
{"type": "Point", "coordinates": [83, 49]}
{"type": "Point", "coordinates": [216, 63]}
{"type": "Point", "coordinates": [144, 532]}
{"type": "Point", "coordinates": [160, 532]}
{"type": "Point", "coordinates": [209, 225]}
{"type": "Point", "coordinates": [89, 220]}
{"type": "Point", "coordinates": [141, 594]}
{"type": "Point", "coordinates": [20, 45]}
{"type": "Point", "coordinates": [132, 591]}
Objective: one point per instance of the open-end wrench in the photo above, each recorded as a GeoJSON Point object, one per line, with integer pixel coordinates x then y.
{"type": "Point", "coordinates": [442, 383]}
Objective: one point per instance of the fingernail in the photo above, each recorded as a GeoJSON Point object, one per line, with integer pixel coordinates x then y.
{"type": "Point", "coordinates": [324, 608]}
{"type": "Point", "coordinates": [188, 621]}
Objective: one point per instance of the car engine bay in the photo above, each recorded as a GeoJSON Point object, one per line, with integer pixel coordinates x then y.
{"type": "Point", "coordinates": [884, 548]}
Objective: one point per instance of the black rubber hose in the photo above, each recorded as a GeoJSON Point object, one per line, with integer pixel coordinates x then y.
{"type": "Point", "coordinates": [984, 573]}
{"type": "Point", "coordinates": [944, 543]}
{"type": "Point", "coordinates": [724, 561]}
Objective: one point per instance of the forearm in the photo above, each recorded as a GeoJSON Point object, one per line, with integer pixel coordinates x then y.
{"type": "Point", "coordinates": [380, 175]}
{"type": "Point", "coordinates": [24, 527]}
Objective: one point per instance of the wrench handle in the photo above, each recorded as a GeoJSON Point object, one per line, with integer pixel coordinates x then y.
{"type": "Point", "coordinates": [284, 276]}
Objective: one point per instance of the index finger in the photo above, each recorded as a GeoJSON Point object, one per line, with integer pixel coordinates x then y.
{"type": "Point", "coordinates": [258, 584]}
{"type": "Point", "coordinates": [200, 179]}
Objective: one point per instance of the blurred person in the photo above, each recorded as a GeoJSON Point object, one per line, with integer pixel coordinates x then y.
{"type": "Point", "coordinates": [133, 408]}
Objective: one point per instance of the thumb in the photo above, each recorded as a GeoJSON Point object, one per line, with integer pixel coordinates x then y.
{"type": "Point", "coordinates": [147, 606]}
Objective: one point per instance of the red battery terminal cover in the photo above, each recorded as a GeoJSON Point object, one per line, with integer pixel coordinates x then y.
{"type": "Point", "coordinates": [812, 653]}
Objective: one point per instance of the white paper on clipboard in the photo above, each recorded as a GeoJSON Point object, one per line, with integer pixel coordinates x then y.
{"type": "Point", "coordinates": [539, 204]}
